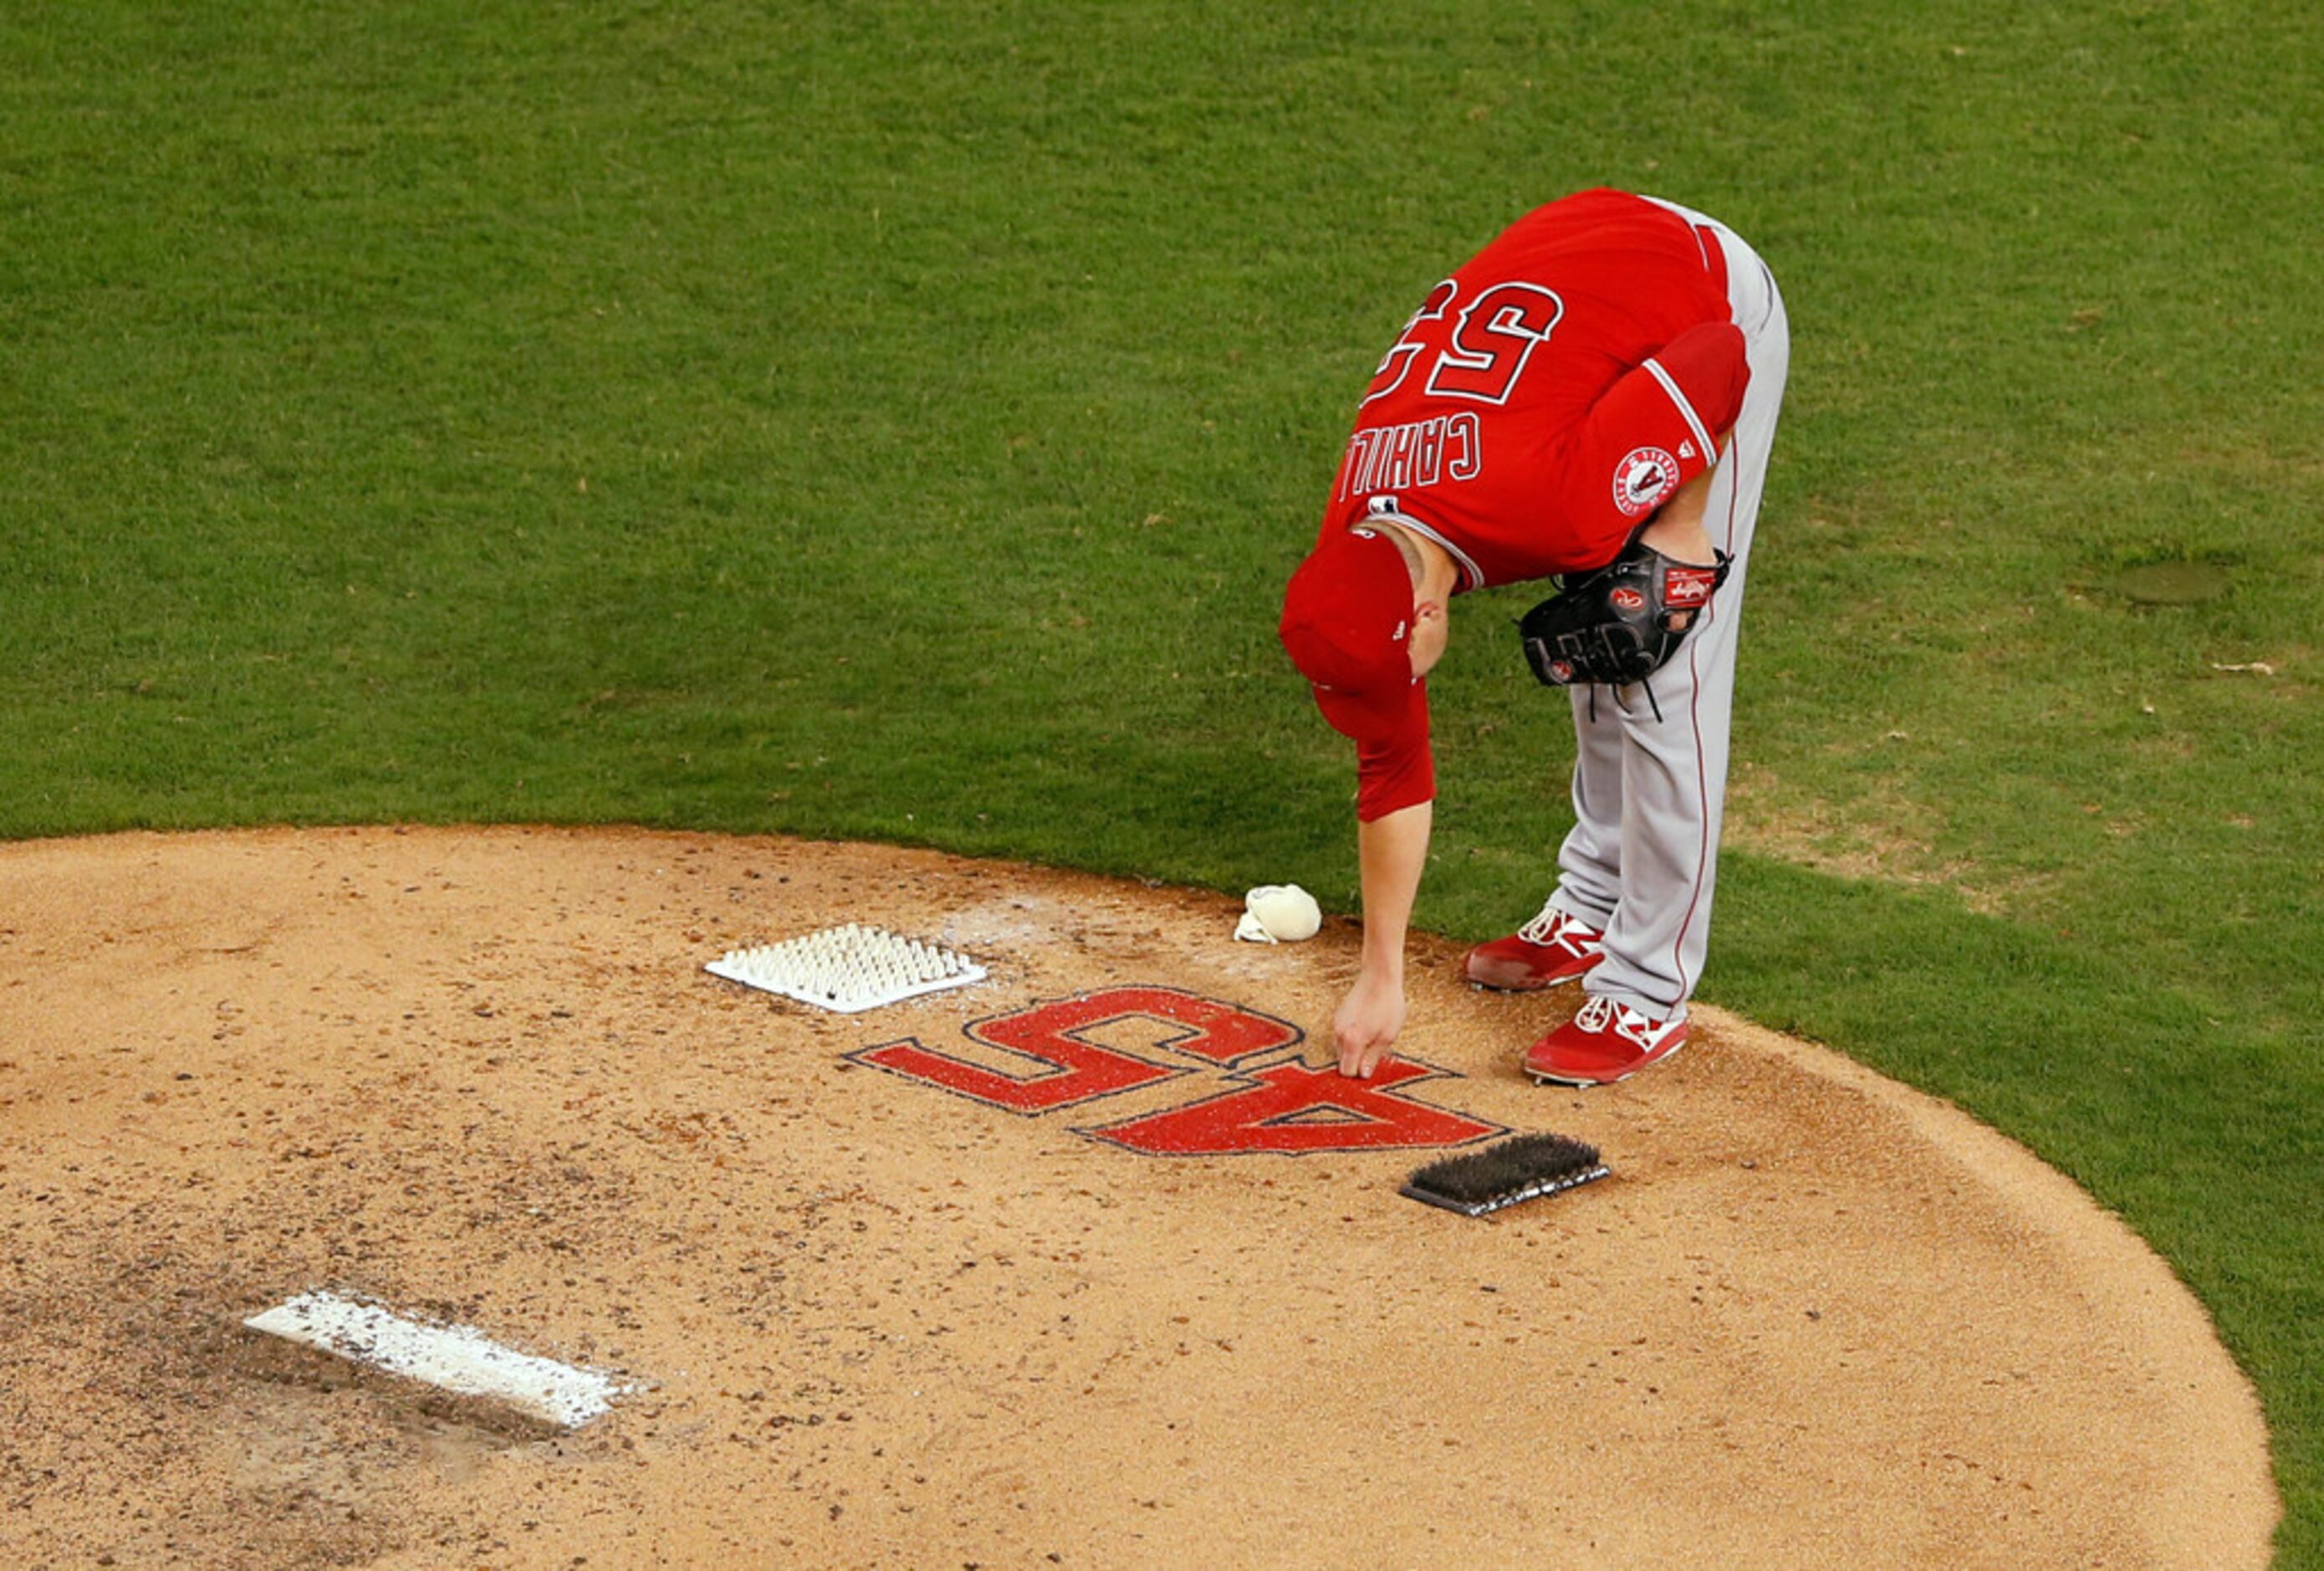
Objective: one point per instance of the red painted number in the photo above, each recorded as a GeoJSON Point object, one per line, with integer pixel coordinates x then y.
{"type": "Point", "coordinates": [1062, 1067]}
{"type": "Point", "coordinates": [1292, 1108]}
{"type": "Point", "coordinates": [1044, 1058]}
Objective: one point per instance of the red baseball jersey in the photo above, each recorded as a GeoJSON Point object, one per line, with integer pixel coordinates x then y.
{"type": "Point", "coordinates": [1553, 393]}
{"type": "Point", "coordinates": [1539, 407]}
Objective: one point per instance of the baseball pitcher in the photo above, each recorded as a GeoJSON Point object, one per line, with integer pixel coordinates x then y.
{"type": "Point", "coordinates": [1591, 398]}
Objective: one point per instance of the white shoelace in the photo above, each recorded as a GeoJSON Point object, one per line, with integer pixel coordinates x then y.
{"type": "Point", "coordinates": [1550, 928]}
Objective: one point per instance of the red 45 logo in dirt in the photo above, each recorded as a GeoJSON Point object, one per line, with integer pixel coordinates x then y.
{"type": "Point", "coordinates": [1050, 1056]}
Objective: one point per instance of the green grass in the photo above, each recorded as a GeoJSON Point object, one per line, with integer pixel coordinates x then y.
{"type": "Point", "coordinates": [879, 419]}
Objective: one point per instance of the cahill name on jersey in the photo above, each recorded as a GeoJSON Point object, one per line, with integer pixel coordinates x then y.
{"type": "Point", "coordinates": [1553, 393]}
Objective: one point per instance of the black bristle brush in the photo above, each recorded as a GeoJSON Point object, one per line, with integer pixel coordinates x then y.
{"type": "Point", "coordinates": [1522, 1168]}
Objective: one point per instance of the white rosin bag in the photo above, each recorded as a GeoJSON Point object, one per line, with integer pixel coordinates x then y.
{"type": "Point", "coordinates": [1278, 913]}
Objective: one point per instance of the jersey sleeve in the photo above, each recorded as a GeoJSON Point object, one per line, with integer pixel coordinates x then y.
{"type": "Point", "coordinates": [1396, 772]}
{"type": "Point", "coordinates": [1650, 433]}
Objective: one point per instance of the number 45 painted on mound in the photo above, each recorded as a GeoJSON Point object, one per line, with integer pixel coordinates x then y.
{"type": "Point", "coordinates": [1046, 1057]}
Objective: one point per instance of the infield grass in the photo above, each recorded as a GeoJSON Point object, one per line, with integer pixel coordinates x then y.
{"type": "Point", "coordinates": [879, 419]}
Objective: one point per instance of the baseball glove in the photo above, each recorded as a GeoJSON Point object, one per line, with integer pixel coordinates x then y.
{"type": "Point", "coordinates": [1615, 626]}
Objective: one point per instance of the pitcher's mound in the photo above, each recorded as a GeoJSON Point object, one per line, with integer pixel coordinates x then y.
{"type": "Point", "coordinates": [1088, 1262]}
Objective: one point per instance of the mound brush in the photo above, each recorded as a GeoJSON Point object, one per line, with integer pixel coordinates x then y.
{"type": "Point", "coordinates": [1523, 1168]}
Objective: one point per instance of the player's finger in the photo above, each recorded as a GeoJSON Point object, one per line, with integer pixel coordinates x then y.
{"type": "Point", "coordinates": [1361, 1058]}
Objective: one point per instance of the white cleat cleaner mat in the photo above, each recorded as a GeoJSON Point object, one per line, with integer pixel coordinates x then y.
{"type": "Point", "coordinates": [848, 969]}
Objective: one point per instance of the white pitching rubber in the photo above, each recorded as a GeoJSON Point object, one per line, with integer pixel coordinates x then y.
{"type": "Point", "coordinates": [460, 1359]}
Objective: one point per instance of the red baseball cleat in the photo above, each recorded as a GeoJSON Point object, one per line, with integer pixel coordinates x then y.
{"type": "Point", "coordinates": [1606, 1041]}
{"type": "Point", "coordinates": [1552, 947]}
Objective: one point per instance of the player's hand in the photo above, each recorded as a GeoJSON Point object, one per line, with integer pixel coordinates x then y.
{"type": "Point", "coordinates": [1368, 1023]}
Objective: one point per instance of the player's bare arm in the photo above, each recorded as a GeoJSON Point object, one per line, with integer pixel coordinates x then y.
{"type": "Point", "coordinates": [1677, 531]}
{"type": "Point", "coordinates": [1391, 851]}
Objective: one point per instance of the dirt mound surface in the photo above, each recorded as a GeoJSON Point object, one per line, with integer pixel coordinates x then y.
{"type": "Point", "coordinates": [1087, 1263]}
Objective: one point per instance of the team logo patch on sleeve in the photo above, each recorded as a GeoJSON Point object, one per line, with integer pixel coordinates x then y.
{"type": "Point", "coordinates": [1643, 477]}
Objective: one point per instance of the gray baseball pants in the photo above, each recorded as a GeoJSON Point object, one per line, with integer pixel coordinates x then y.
{"type": "Point", "coordinates": [1642, 859]}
